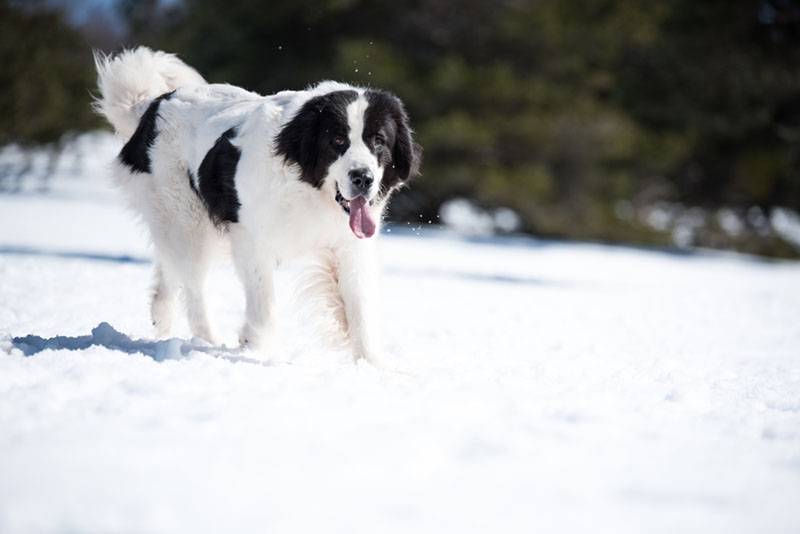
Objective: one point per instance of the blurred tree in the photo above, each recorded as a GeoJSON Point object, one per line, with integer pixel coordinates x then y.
{"type": "Point", "coordinates": [570, 113]}
{"type": "Point", "coordinates": [584, 116]}
{"type": "Point", "coordinates": [46, 77]}
{"type": "Point", "coordinates": [720, 75]}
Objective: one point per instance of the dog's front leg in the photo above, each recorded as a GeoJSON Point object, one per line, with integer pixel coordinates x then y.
{"type": "Point", "coordinates": [259, 325]}
{"type": "Point", "coordinates": [358, 273]}
{"type": "Point", "coordinates": [256, 268]}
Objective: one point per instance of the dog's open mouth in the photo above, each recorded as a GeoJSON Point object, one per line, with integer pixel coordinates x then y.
{"type": "Point", "coordinates": [361, 222]}
{"type": "Point", "coordinates": [343, 202]}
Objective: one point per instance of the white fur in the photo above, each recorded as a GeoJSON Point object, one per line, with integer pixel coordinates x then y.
{"type": "Point", "coordinates": [280, 216]}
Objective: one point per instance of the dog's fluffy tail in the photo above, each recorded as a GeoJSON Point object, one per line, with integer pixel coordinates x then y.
{"type": "Point", "coordinates": [128, 81]}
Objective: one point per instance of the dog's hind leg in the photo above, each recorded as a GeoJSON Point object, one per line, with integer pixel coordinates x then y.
{"type": "Point", "coordinates": [184, 249]}
{"type": "Point", "coordinates": [162, 304]}
{"type": "Point", "coordinates": [195, 270]}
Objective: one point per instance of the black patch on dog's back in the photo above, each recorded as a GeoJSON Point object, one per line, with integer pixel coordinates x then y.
{"type": "Point", "coordinates": [307, 139]}
{"type": "Point", "coordinates": [136, 152]}
{"type": "Point", "coordinates": [215, 179]}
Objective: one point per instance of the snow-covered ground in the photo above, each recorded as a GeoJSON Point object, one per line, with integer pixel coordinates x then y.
{"type": "Point", "coordinates": [534, 387]}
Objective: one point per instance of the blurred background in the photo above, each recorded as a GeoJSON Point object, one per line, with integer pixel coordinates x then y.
{"type": "Point", "coordinates": [652, 123]}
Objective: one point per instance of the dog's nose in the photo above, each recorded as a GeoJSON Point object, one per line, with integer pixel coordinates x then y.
{"type": "Point", "coordinates": [361, 179]}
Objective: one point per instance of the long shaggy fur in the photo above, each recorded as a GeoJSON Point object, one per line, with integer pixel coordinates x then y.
{"type": "Point", "coordinates": [318, 301]}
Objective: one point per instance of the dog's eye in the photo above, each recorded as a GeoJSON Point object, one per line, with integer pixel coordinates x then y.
{"type": "Point", "coordinates": [339, 140]}
{"type": "Point", "coordinates": [378, 140]}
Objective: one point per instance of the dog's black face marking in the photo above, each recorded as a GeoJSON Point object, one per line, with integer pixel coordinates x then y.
{"type": "Point", "coordinates": [215, 179]}
{"type": "Point", "coordinates": [136, 152]}
{"type": "Point", "coordinates": [317, 135]}
{"type": "Point", "coordinates": [388, 135]}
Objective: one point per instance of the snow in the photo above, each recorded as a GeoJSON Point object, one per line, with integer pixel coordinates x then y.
{"type": "Point", "coordinates": [533, 386]}
{"type": "Point", "coordinates": [786, 224]}
{"type": "Point", "coordinates": [467, 218]}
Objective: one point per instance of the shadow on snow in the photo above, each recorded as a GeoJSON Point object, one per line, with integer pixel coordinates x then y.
{"type": "Point", "coordinates": [104, 335]}
{"type": "Point", "coordinates": [63, 254]}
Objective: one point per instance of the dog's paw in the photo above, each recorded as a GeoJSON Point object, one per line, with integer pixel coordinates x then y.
{"type": "Point", "coordinates": [255, 339]}
{"type": "Point", "coordinates": [371, 356]}
{"type": "Point", "coordinates": [249, 340]}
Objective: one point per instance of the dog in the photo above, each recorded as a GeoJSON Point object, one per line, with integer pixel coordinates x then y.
{"type": "Point", "coordinates": [296, 173]}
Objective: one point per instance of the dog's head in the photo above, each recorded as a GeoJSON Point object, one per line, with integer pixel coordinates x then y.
{"type": "Point", "coordinates": [354, 146]}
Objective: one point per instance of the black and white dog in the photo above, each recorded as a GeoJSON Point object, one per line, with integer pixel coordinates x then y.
{"type": "Point", "coordinates": [275, 177]}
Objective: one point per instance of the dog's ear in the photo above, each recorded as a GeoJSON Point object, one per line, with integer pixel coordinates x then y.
{"type": "Point", "coordinates": [301, 139]}
{"type": "Point", "coordinates": [297, 141]}
{"type": "Point", "coordinates": [406, 153]}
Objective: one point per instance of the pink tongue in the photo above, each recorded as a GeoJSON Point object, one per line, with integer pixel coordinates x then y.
{"type": "Point", "coordinates": [361, 222]}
